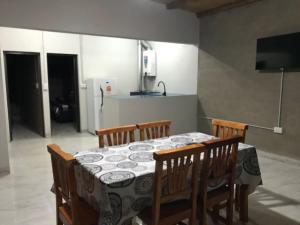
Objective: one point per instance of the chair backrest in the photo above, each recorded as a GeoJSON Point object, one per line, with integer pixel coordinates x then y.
{"type": "Point", "coordinates": [224, 129]}
{"type": "Point", "coordinates": [155, 129]}
{"type": "Point", "coordinates": [176, 176]}
{"type": "Point", "coordinates": [63, 175]}
{"type": "Point", "coordinates": [222, 159]}
{"type": "Point", "coordinates": [116, 135]}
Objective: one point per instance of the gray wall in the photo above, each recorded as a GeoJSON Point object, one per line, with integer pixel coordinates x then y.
{"type": "Point", "coordinates": [230, 88]}
{"type": "Point", "coordinates": [142, 19]}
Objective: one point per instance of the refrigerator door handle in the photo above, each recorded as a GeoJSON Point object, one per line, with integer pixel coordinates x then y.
{"type": "Point", "coordinates": [102, 94]}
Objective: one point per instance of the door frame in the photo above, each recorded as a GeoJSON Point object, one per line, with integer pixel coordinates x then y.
{"type": "Point", "coordinates": [38, 79]}
{"type": "Point", "coordinates": [76, 84]}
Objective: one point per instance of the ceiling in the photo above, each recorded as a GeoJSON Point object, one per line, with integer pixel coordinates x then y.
{"type": "Point", "coordinates": [204, 7]}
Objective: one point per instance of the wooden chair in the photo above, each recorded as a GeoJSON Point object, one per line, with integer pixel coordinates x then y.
{"type": "Point", "coordinates": [175, 186]}
{"type": "Point", "coordinates": [221, 166]}
{"type": "Point", "coordinates": [70, 208]}
{"type": "Point", "coordinates": [155, 129]}
{"type": "Point", "coordinates": [224, 129]}
{"type": "Point", "coordinates": [116, 135]}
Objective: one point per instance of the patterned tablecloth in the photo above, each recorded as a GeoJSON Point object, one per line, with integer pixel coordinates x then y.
{"type": "Point", "coordinates": [117, 181]}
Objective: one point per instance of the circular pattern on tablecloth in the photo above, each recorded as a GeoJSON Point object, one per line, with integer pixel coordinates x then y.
{"type": "Point", "coordinates": [99, 150]}
{"type": "Point", "coordinates": [200, 140]}
{"type": "Point", "coordinates": [182, 139]}
{"type": "Point", "coordinates": [238, 171]}
{"type": "Point", "coordinates": [108, 166]}
{"type": "Point", "coordinates": [89, 158]}
{"type": "Point", "coordinates": [124, 152]}
{"type": "Point", "coordinates": [141, 157]}
{"type": "Point", "coordinates": [240, 156]}
{"type": "Point", "coordinates": [127, 165]}
{"type": "Point", "coordinates": [139, 204]}
{"type": "Point", "coordinates": [118, 146]}
{"type": "Point", "coordinates": [115, 158]}
{"type": "Point", "coordinates": [117, 179]}
{"type": "Point", "coordinates": [116, 206]}
{"type": "Point", "coordinates": [87, 180]}
{"type": "Point", "coordinates": [93, 169]}
{"type": "Point", "coordinates": [250, 163]}
{"type": "Point", "coordinates": [126, 206]}
{"type": "Point", "coordinates": [192, 135]}
{"type": "Point", "coordinates": [143, 184]}
{"type": "Point", "coordinates": [161, 139]}
{"type": "Point", "coordinates": [165, 147]}
{"type": "Point", "coordinates": [180, 145]}
{"type": "Point", "coordinates": [106, 218]}
{"type": "Point", "coordinates": [151, 142]}
{"type": "Point", "coordinates": [139, 168]}
{"type": "Point", "coordinates": [141, 147]}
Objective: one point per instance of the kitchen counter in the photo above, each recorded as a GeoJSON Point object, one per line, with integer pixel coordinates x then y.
{"type": "Point", "coordinates": [180, 109]}
{"type": "Point", "coordinates": [143, 96]}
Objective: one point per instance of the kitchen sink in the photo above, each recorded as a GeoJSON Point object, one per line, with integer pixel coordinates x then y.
{"type": "Point", "coordinates": [148, 93]}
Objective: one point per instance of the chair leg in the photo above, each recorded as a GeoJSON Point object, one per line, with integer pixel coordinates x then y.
{"type": "Point", "coordinates": [237, 198]}
{"type": "Point", "coordinates": [202, 213]}
{"type": "Point", "coordinates": [58, 221]}
{"type": "Point", "coordinates": [58, 203]}
{"type": "Point", "coordinates": [229, 212]}
{"type": "Point", "coordinates": [193, 218]}
{"type": "Point", "coordinates": [215, 213]}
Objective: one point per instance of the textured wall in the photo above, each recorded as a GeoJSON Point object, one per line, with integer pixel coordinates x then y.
{"type": "Point", "coordinates": [230, 88]}
{"type": "Point", "coordinates": [143, 19]}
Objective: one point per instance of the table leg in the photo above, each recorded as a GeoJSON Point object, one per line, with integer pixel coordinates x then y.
{"type": "Point", "coordinates": [243, 202]}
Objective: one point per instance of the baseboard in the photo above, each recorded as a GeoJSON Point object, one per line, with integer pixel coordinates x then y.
{"type": "Point", "coordinates": [280, 158]}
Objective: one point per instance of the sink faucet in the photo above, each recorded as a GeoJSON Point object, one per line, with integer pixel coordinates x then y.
{"type": "Point", "coordinates": [164, 93]}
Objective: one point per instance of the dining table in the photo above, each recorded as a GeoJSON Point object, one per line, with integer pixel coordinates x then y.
{"type": "Point", "coordinates": [117, 181]}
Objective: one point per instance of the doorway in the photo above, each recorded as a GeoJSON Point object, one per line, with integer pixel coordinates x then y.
{"type": "Point", "coordinates": [24, 93]}
{"type": "Point", "coordinates": [63, 93]}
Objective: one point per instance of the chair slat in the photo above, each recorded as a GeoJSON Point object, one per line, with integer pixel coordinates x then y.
{"type": "Point", "coordinates": [156, 129]}
{"type": "Point", "coordinates": [180, 177]}
{"type": "Point", "coordinates": [124, 137]}
{"type": "Point", "coordinates": [108, 141]}
{"type": "Point", "coordinates": [222, 163]}
{"type": "Point", "coordinates": [224, 129]}
{"type": "Point", "coordinates": [116, 135]}
{"type": "Point", "coordinates": [70, 209]}
{"type": "Point", "coordinates": [120, 141]}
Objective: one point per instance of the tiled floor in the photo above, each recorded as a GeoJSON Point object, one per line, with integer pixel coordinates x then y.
{"type": "Point", "coordinates": [25, 198]}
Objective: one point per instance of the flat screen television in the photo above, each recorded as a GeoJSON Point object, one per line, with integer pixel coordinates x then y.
{"type": "Point", "coordinates": [274, 53]}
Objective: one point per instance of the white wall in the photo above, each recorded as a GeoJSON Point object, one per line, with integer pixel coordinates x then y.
{"type": "Point", "coordinates": [177, 66]}
{"type": "Point", "coordinates": [98, 57]}
{"type": "Point", "coordinates": [141, 19]}
{"type": "Point", "coordinates": [105, 57]}
{"type": "Point", "coordinates": [13, 40]}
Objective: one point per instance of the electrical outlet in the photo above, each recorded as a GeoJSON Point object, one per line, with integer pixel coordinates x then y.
{"type": "Point", "coordinates": [278, 130]}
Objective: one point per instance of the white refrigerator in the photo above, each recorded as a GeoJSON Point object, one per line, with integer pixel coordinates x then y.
{"type": "Point", "coordinates": [97, 89]}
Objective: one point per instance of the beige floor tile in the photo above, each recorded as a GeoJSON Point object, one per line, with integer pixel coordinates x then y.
{"type": "Point", "coordinates": [25, 198]}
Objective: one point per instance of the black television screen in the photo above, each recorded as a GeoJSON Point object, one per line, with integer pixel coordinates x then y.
{"type": "Point", "coordinates": [274, 53]}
